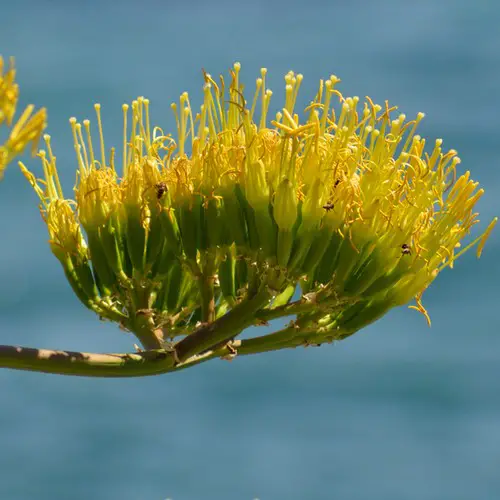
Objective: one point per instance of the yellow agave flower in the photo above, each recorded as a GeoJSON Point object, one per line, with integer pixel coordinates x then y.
{"type": "Point", "coordinates": [341, 199]}
{"type": "Point", "coordinates": [28, 128]}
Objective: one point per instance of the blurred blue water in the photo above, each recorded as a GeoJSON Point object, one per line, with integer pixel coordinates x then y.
{"type": "Point", "coordinates": [396, 412]}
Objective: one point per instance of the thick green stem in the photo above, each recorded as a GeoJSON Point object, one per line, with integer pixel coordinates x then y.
{"type": "Point", "coordinates": [144, 329]}
{"type": "Point", "coordinates": [154, 362]}
{"type": "Point", "coordinates": [83, 364]}
{"type": "Point", "coordinates": [142, 322]}
{"type": "Point", "coordinates": [223, 329]}
{"type": "Point", "coordinates": [86, 364]}
{"type": "Point", "coordinates": [208, 342]}
{"type": "Point", "coordinates": [283, 339]}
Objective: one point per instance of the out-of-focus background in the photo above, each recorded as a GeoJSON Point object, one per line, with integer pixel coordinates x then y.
{"type": "Point", "coordinates": [399, 411]}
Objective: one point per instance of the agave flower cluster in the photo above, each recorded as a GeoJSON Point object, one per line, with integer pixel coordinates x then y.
{"type": "Point", "coordinates": [27, 129]}
{"type": "Point", "coordinates": [339, 204]}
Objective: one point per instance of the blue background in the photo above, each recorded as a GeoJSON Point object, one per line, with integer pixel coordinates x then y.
{"type": "Point", "coordinates": [399, 411]}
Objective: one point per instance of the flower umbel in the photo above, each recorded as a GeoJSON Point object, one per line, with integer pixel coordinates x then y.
{"type": "Point", "coordinates": [28, 128]}
{"type": "Point", "coordinates": [341, 200]}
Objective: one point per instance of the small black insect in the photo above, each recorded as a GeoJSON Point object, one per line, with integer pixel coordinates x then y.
{"type": "Point", "coordinates": [328, 206]}
{"type": "Point", "coordinates": [405, 249]}
{"type": "Point", "coordinates": [161, 189]}
{"type": "Point", "coordinates": [337, 182]}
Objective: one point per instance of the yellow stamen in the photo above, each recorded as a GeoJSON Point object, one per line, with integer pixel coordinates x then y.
{"type": "Point", "coordinates": [97, 108]}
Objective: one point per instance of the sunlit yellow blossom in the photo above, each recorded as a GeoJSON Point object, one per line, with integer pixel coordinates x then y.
{"type": "Point", "coordinates": [342, 199]}
{"type": "Point", "coordinates": [28, 127]}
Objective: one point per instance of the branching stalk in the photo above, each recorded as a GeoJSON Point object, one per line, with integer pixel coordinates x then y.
{"type": "Point", "coordinates": [223, 329]}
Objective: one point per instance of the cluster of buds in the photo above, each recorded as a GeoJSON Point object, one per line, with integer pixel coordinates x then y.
{"type": "Point", "coordinates": [28, 127]}
{"type": "Point", "coordinates": [340, 205]}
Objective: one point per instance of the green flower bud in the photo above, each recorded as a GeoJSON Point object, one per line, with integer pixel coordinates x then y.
{"type": "Point", "coordinates": [285, 205]}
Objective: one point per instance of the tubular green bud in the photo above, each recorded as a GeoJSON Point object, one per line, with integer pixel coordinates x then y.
{"type": "Point", "coordinates": [188, 296]}
{"type": "Point", "coordinates": [227, 275]}
{"type": "Point", "coordinates": [256, 187]}
{"type": "Point", "coordinates": [312, 208]}
{"type": "Point", "coordinates": [173, 287]}
{"type": "Point", "coordinates": [327, 266]}
{"type": "Point", "coordinates": [216, 229]}
{"type": "Point", "coordinates": [316, 251]}
{"type": "Point", "coordinates": [105, 278]}
{"type": "Point", "coordinates": [86, 294]}
{"type": "Point", "coordinates": [164, 262]}
{"type": "Point", "coordinates": [267, 231]}
{"type": "Point", "coordinates": [85, 278]}
{"type": "Point", "coordinates": [407, 288]}
{"type": "Point", "coordinates": [241, 274]}
{"type": "Point", "coordinates": [171, 230]}
{"type": "Point", "coordinates": [387, 281]}
{"type": "Point", "coordinates": [285, 205]}
{"type": "Point", "coordinates": [234, 217]}
{"type": "Point", "coordinates": [249, 215]}
{"type": "Point", "coordinates": [110, 238]}
{"type": "Point", "coordinates": [257, 195]}
{"type": "Point", "coordinates": [351, 311]}
{"type": "Point", "coordinates": [136, 237]}
{"type": "Point", "coordinates": [189, 225]}
{"type": "Point", "coordinates": [302, 244]}
{"type": "Point", "coordinates": [154, 239]}
{"type": "Point", "coordinates": [364, 275]}
{"type": "Point", "coordinates": [364, 315]}
{"type": "Point", "coordinates": [349, 257]}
